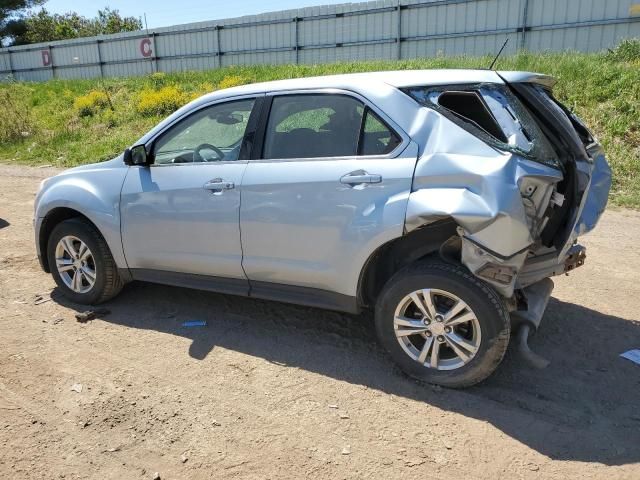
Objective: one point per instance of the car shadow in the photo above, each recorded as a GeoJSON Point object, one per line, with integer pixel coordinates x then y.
{"type": "Point", "coordinates": [3, 223]}
{"type": "Point", "coordinates": [581, 408]}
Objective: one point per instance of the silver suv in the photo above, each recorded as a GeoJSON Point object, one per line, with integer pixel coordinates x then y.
{"type": "Point", "coordinates": [444, 200]}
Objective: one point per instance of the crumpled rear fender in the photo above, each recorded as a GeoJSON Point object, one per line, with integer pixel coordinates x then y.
{"type": "Point", "coordinates": [498, 199]}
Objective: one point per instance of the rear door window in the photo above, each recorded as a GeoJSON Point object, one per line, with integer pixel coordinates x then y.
{"type": "Point", "coordinates": [325, 125]}
{"type": "Point", "coordinates": [377, 138]}
{"type": "Point", "coordinates": [310, 125]}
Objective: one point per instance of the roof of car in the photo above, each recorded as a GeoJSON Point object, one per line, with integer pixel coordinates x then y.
{"type": "Point", "coordinates": [380, 88]}
{"type": "Point", "coordinates": [395, 78]}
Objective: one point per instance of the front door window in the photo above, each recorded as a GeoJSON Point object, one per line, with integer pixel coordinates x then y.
{"type": "Point", "coordinates": [212, 134]}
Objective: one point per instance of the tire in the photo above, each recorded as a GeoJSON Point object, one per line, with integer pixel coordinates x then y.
{"type": "Point", "coordinates": [486, 333]}
{"type": "Point", "coordinates": [107, 283]}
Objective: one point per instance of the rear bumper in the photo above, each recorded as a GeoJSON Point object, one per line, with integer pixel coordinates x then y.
{"type": "Point", "coordinates": [538, 267]}
{"type": "Point", "coordinates": [536, 262]}
{"type": "Point", "coordinates": [592, 205]}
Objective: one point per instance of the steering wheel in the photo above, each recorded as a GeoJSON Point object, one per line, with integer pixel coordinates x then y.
{"type": "Point", "coordinates": [198, 158]}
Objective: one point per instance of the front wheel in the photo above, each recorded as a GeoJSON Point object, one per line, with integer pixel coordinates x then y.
{"type": "Point", "coordinates": [81, 263]}
{"type": "Point", "coordinates": [442, 325]}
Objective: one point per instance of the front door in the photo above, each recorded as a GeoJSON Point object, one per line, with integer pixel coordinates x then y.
{"type": "Point", "coordinates": [181, 214]}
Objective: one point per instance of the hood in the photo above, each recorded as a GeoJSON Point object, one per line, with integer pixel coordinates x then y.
{"type": "Point", "coordinates": [116, 162]}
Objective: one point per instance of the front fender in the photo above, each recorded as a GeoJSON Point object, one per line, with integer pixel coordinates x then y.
{"type": "Point", "coordinates": [94, 193]}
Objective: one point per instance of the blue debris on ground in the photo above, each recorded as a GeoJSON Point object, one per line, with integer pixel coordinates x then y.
{"type": "Point", "coordinates": [195, 323]}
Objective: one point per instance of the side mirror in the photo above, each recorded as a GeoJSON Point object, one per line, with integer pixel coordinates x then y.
{"type": "Point", "coordinates": [136, 155]}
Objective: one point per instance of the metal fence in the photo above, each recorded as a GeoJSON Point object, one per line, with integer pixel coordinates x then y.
{"type": "Point", "coordinates": [386, 29]}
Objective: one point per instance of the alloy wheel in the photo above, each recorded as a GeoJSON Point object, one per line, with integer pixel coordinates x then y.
{"type": "Point", "coordinates": [437, 329]}
{"type": "Point", "coordinates": [75, 264]}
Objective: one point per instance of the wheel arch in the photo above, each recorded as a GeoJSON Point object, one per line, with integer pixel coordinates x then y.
{"type": "Point", "coordinates": [83, 193]}
{"type": "Point", "coordinates": [392, 256]}
{"type": "Point", "coordinates": [54, 217]}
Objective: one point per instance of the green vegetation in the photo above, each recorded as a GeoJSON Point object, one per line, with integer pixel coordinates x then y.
{"type": "Point", "coordinates": [66, 122]}
{"type": "Point", "coordinates": [42, 26]}
{"type": "Point", "coordinates": [91, 103]}
{"type": "Point", "coordinates": [17, 121]}
{"type": "Point", "coordinates": [12, 14]}
{"type": "Point", "coordinates": [152, 102]}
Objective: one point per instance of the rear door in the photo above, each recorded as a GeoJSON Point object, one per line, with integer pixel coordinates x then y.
{"type": "Point", "coordinates": [329, 185]}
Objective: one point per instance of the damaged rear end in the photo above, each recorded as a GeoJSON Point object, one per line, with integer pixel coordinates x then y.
{"type": "Point", "coordinates": [520, 175]}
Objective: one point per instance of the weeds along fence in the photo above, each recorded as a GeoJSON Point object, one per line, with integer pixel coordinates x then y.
{"type": "Point", "coordinates": [385, 29]}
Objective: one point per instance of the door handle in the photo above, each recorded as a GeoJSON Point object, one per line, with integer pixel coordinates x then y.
{"type": "Point", "coordinates": [218, 184]}
{"type": "Point", "coordinates": [360, 177]}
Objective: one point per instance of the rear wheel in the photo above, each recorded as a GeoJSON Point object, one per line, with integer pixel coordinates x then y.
{"type": "Point", "coordinates": [81, 263]}
{"type": "Point", "coordinates": [442, 325]}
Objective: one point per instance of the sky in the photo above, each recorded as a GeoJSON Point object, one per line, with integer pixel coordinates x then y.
{"type": "Point", "coordinates": [162, 13]}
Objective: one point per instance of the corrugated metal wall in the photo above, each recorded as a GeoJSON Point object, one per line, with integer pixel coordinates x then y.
{"type": "Point", "coordinates": [385, 29]}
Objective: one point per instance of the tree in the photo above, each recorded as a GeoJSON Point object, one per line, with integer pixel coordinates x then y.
{"type": "Point", "coordinates": [110, 21]}
{"type": "Point", "coordinates": [11, 12]}
{"type": "Point", "coordinates": [47, 27]}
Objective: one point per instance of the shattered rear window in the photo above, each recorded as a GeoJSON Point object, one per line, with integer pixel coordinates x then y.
{"type": "Point", "coordinates": [581, 129]}
{"type": "Point", "coordinates": [471, 107]}
{"type": "Point", "coordinates": [492, 113]}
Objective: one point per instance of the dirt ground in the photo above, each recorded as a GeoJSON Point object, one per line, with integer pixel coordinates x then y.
{"type": "Point", "coordinates": [269, 390]}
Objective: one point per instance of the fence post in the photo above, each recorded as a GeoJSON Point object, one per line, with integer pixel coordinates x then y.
{"type": "Point", "coordinates": [53, 63]}
{"type": "Point", "coordinates": [154, 57]}
{"type": "Point", "coordinates": [399, 32]}
{"type": "Point", "coordinates": [98, 42]}
{"type": "Point", "coordinates": [524, 28]}
{"type": "Point", "coordinates": [296, 46]}
{"type": "Point", "coordinates": [12, 71]}
{"type": "Point", "coordinates": [218, 49]}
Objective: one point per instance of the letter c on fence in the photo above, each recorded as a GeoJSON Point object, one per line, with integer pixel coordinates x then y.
{"type": "Point", "coordinates": [46, 58]}
{"type": "Point", "coordinates": [145, 47]}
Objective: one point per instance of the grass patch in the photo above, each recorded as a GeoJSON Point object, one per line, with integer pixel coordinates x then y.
{"type": "Point", "coordinates": [91, 103]}
{"type": "Point", "coordinates": [17, 116]}
{"type": "Point", "coordinates": [67, 123]}
{"type": "Point", "coordinates": [164, 101]}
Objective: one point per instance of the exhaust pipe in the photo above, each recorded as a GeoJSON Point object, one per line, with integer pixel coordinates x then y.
{"type": "Point", "coordinates": [522, 346]}
{"type": "Point", "coordinates": [527, 321]}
